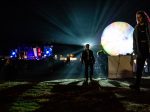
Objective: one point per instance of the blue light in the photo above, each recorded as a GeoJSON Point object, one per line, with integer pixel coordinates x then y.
{"type": "Point", "coordinates": [48, 51]}
{"type": "Point", "coordinates": [13, 54]}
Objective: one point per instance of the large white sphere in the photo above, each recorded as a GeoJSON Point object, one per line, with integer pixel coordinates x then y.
{"type": "Point", "coordinates": [117, 38]}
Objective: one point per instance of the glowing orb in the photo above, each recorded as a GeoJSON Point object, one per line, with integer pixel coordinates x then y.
{"type": "Point", "coordinates": [117, 38]}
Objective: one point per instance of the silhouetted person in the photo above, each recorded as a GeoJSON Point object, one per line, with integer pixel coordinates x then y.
{"type": "Point", "coordinates": [102, 59]}
{"type": "Point", "coordinates": [141, 45]}
{"type": "Point", "coordinates": [88, 59]}
{"type": "Point", "coordinates": [68, 59]}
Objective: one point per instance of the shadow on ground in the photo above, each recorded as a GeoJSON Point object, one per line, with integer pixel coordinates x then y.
{"type": "Point", "coordinates": [72, 95]}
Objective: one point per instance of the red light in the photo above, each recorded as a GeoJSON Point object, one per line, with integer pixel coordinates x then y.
{"type": "Point", "coordinates": [39, 50]}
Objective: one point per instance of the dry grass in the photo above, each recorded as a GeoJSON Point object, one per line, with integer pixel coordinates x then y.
{"type": "Point", "coordinates": [72, 96]}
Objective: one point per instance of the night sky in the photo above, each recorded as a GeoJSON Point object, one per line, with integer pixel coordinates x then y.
{"type": "Point", "coordinates": [62, 21]}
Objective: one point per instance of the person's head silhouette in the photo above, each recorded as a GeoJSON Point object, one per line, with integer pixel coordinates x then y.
{"type": "Point", "coordinates": [87, 46]}
{"type": "Point", "coordinates": [142, 17]}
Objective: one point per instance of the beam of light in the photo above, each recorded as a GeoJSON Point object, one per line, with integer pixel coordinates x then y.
{"type": "Point", "coordinates": [35, 52]}
{"type": "Point", "coordinates": [88, 42]}
{"type": "Point", "coordinates": [73, 69]}
{"type": "Point", "coordinates": [76, 22]}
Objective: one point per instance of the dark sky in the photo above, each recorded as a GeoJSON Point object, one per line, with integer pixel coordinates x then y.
{"type": "Point", "coordinates": [62, 21]}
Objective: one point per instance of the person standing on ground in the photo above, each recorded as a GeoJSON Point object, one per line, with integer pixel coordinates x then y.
{"type": "Point", "coordinates": [141, 45]}
{"type": "Point", "coordinates": [88, 59]}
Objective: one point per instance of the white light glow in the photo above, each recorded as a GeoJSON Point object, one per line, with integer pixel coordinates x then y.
{"type": "Point", "coordinates": [117, 38]}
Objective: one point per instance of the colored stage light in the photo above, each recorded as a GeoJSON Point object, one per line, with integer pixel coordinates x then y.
{"type": "Point", "coordinates": [117, 38]}
{"type": "Point", "coordinates": [48, 51]}
{"type": "Point", "coordinates": [13, 54]}
{"type": "Point", "coordinates": [35, 52]}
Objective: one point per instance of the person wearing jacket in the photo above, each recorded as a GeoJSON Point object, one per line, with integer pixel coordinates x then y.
{"type": "Point", "coordinates": [141, 45]}
{"type": "Point", "coordinates": [88, 59]}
